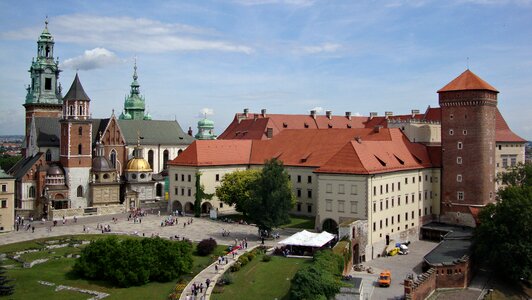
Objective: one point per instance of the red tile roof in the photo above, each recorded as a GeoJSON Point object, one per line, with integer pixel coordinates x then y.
{"type": "Point", "coordinates": [467, 81]}
{"type": "Point", "coordinates": [378, 156]}
{"type": "Point", "coordinates": [503, 133]}
{"type": "Point", "coordinates": [215, 153]}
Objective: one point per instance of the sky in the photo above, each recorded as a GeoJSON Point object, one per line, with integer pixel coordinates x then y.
{"type": "Point", "coordinates": [287, 56]}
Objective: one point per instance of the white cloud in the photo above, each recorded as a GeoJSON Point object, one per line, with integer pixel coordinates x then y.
{"type": "Point", "coordinates": [323, 48]}
{"type": "Point", "coordinates": [139, 35]}
{"type": "Point", "coordinates": [206, 112]}
{"type": "Point", "coordinates": [318, 109]}
{"type": "Point", "coordinates": [92, 59]}
{"type": "Point", "coordinates": [357, 114]}
{"type": "Point", "coordinates": [300, 3]}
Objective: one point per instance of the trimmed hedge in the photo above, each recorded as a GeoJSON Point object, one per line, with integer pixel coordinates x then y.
{"type": "Point", "coordinates": [206, 247]}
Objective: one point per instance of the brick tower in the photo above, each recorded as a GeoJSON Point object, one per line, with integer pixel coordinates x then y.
{"type": "Point", "coordinates": [43, 98]}
{"type": "Point", "coordinates": [76, 145]}
{"type": "Point", "coordinates": [468, 107]}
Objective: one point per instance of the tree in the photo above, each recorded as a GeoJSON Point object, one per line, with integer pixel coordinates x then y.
{"type": "Point", "coordinates": [7, 161]}
{"type": "Point", "coordinates": [5, 288]}
{"type": "Point", "coordinates": [272, 197]}
{"type": "Point", "coordinates": [200, 195]}
{"type": "Point", "coordinates": [503, 237]}
{"type": "Point", "coordinates": [237, 189]}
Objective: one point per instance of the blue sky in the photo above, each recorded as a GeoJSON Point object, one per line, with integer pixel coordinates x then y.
{"type": "Point", "coordinates": [288, 56]}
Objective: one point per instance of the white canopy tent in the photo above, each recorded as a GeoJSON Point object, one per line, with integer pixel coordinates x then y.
{"type": "Point", "coordinates": [308, 239]}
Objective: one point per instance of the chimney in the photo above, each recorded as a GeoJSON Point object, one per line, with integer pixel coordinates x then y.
{"type": "Point", "coordinates": [348, 115]}
{"type": "Point", "coordinates": [269, 132]}
{"type": "Point", "coordinates": [377, 128]}
{"type": "Point", "coordinates": [313, 114]}
{"type": "Point", "coordinates": [189, 131]}
{"type": "Point", "coordinates": [372, 115]}
{"type": "Point", "coordinates": [358, 139]}
{"type": "Point", "coordinates": [328, 113]}
{"type": "Point", "coordinates": [388, 114]}
{"type": "Point", "coordinates": [246, 111]}
{"type": "Point", "coordinates": [415, 112]}
{"type": "Point", "coordinates": [263, 112]}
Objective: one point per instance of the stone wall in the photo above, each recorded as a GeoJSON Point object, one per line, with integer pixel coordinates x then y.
{"type": "Point", "coordinates": [421, 287]}
{"type": "Point", "coordinates": [57, 214]}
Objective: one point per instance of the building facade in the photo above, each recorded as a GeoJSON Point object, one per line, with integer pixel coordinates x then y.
{"type": "Point", "coordinates": [7, 202]}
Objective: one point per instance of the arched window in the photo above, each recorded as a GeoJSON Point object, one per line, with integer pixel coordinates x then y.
{"type": "Point", "coordinates": [79, 149]}
{"type": "Point", "coordinates": [113, 158]}
{"type": "Point", "coordinates": [47, 51]}
{"type": "Point", "coordinates": [48, 155]}
{"type": "Point", "coordinates": [31, 192]}
{"type": "Point", "coordinates": [79, 192]}
{"type": "Point", "coordinates": [150, 158]}
{"type": "Point", "coordinates": [179, 152]}
{"type": "Point", "coordinates": [71, 110]}
{"type": "Point", "coordinates": [165, 158]}
{"type": "Point", "coordinates": [80, 130]}
{"type": "Point", "coordinates": [81, 110]}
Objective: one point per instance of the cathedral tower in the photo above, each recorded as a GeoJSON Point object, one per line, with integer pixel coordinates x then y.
{"type": "Point", "coordinates": [76, 146]}
{"type": "Point", "coordinates": [468, 107]}
{"type": "Point", "coordinates": [43, 98]}
{"type": "Point", "coordinates": [134, 105]}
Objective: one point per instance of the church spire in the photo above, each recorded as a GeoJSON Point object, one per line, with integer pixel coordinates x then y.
{"type": "Point", "coordinates": [134, 105]}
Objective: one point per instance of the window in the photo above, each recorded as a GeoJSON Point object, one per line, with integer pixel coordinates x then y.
{"type": "Point", "coordinates": [222, 205]}
{"type": "Point", "coordinates": [386, 188]}
{"type": "Point", "coordinates": [113, 158]}
{"type": "Point", "coordinates": [4, 203]}
{"type": "Point", "coordinates": [425, 211]}
{"type": "Point", "coordinates": [341, 206]}
{"type": "Point", "coordinates": [393, 202]}
{"type": "Point", "coordinates": [513, 160]}
{"type": "Point", "coordinates": [459, 178]}
{"type": "Point", "coordinates": [79, 191]}
{"type": "Point", "coordinates": [386, 203]}
{"type": "Point", "coordinates": [464, 132]}
{"type": "Point", "coordinates": [406, 180]}
{"type": "Point", "coordinates": [79, 149]}
{"type": "Point", "coordinates": [413, 179]}
{"type": "Point", "coordinates": [386, 222]}
{"type": "Point", "coordinates": [426, 177]}
{"type": "Point", "coordinates": [298, 178]}
{"type": "Point", "coordinates": [393, 184]}
{"type": "Point", "coordinates": [504, 161]}
{"type": "Point", "coordinates": [309, 208]}
{"type": "Point", "coordinates": [381, 204]}
{"type": "Point", "coordinates": [460, 196]}
{"type": "Point", "coordinates": [451, 116]}
{"type": "Point", "coordinates": [380, 224]}
{"type": "Point", "coordinates": [309, 193]}
{"type": "Point", "coordinates": [425, 195]}
{"type": "Point", "coordinates": [451, 132]}
{"type": "Point", "coordinates": [182, 177]}
{"type": "Point", "coordinates": [412, 216]}
{"type": "Point", "coordinates": [80, 130]}
{"type": "Point", "coordinates": [419, 212]}
{"type": "Point", "coordinates": [80, 110]}
{"type": "Point", "coordinates": [166, 155]}
{"type": "Point", "coordinates": [150, 158]}
{"type": "Point", "coordinates": [381, 189]}
{"type": "Point", "coordinates": [309, 179]}
{"type": "Point", "coordinates": [48, 155]}
{"type": "Point", "coordinates": [354, 207]}
{"type": "Point", "coordinates": [298, 206]}
{"type": "Point", "coordinates": [176, 177]}
{"type": "Point", "coordinates": [4, 188]}
{"type": "Point", "coordinates": [328, 205]}
{"type": "Point", "coordinates": [374, 191]}
{"type": "Point", "coordinates": [374, 206]}
{"type": "Point", "coordinates": [48, 84]}
{"type": "Point", "coordinates": [182, 191]}
{"type": "Point", "coordinates": [459, 160]}
{"type": "Point", "coordinates": [392, 221]}
{"type": "Point", "coordinates": [374, 226]}
{"type": "Point", "coordinates": [460, 145]}
{"type": "Point", "coordinates": [217, 177]}
{"type": "Point", "coordinates": [299, 193]}
{"type": "Point", "coordinates": [341, 189]}
{"type": "Point", "coordinates": [398, 200]}
{"type": "Point", "coordinates": [189, 192]}
{"type": "Point", "coordinates": [328, 188]}
{"type": "Point", "coordinates": [189, 178]}
{"type": "Point", "coordinates": [354, 190]}
{"type": "Point", "coordinates": [406, 216]}
{"type": "Point", "coordinates": [398, 218]}
{"type": "Point", "coordinates": [406, 199]}
{"type": "Point", "coordinates": [398, 186]}
{"type": "Point", "coordinates": [176, 191]}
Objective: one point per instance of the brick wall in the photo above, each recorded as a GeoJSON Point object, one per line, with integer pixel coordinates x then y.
{"type": "Point", "coordinates": [455, 276]}
{"type": "Point", "coordinates": [422, 286]}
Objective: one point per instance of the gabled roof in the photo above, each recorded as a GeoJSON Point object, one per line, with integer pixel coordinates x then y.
{"type": "Point", "coordinates": [215, 153]}
{"type": "Point", "coordinates": [154, 132]}
{"type": "Point", "coordinates": [22, 166]}
{"type": "Point", "coordinates": [98, 125]}
{"type": "Point", "coordinates": [467, 81]}
{"type": "Point", "coordinates": [48, 132]}
{"type": "Point", "coordinates": [503, 133]}
{"type": "Point", "coordinates": [76, 91]}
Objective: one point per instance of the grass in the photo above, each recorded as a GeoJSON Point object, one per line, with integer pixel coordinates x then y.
{"type": "Point", "coordinates": [58, 271]}
{"type": "Point", "coordinates": [262, 280]}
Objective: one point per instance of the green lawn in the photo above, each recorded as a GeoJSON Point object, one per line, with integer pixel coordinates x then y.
{"type": "Point", "coordinates": [262, 280]}
{"type": "Point", "coordinates": [58, 272]}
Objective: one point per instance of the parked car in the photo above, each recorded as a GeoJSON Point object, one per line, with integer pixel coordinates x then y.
{"type": "Point", "coordinates": [385, 278]}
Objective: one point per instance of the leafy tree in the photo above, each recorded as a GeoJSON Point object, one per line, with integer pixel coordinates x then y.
{"type": "Point", "coordinates": [321, 280]}
{"type": "Point", "coordinates": [206, 246]}
{"type": "Point", "coordinates": [272, 197]}
{"type": "Point", "coordinates": [237, 189]}
{"type": "Point", "coordinates": [503, 237]}
{"type": "Point", "coordinates": [5, 288]}
{"type": "Point", "coordinates": [7, 161]}
{"type": "Point", "coordinates": [200, 195]}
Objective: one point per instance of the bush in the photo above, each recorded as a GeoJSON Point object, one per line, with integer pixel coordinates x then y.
{"type": "Point", "coordinates": [250, 256]}
{"type": "Point", "coordinates": [266, 258]}
{"type": "Point", "coordinates": [243, 260]}
{"type": "Point", "coordinates": [206, 247]}
{"type": "Point", "coordinates": [227, 279]}
{"type": "Point", "coordinates": [235, 267]}
{"type": "Point", "coordinates": [134, 261]}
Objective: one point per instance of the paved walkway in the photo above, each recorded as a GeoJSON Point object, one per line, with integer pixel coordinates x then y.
{"type": "Point", "coordinates": [201, 228]}
{"type": "Point", "coordinates": [213, 275]}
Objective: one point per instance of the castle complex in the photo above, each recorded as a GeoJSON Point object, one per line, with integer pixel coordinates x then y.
{"type": "Point", "coordinates": [74, 164]}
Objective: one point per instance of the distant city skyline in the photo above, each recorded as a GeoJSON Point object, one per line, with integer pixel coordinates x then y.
{"type": "Point", "coordinates": [287, 56]}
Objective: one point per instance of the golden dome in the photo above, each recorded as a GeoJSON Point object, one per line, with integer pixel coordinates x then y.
{"type": "Point", "coordinates": [138, 165]}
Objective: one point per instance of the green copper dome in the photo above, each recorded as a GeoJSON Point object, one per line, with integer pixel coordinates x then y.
{"type": "Point", "coordinates": [147, 116]}
{"type": "Point", "coordinates": [206, 123]}
{"type": "Point", "coordinates": [205, 130]}
{"type": "Point", "coordinates": [125, 116]}
{"type": "Point", "coordinates": [134, 104]}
